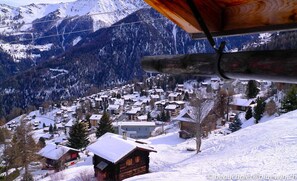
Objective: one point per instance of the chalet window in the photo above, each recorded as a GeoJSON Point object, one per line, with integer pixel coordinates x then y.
{"type": "Point", "coordinates": [129, 162]}
{"type": "Point", "coordinates": [137, 159]}
{"type": "Point", "coordinates": [73, 155]}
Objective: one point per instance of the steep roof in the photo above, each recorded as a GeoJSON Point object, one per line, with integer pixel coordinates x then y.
{"type": "Point", "coordinates": [96, 117]}
{"type": "Point", "coordinates": [113, 147]}
{"type": "Point", "coordinates": [54, 152]}
{"type": "Point", "coordinates": [242, 102]}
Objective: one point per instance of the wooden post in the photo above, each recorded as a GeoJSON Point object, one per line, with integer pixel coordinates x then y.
{"type": "Point", "coordinates": [278, 66]}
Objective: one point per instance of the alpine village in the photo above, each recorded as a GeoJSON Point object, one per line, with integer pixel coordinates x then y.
{"type": "Point", "coordinates": [78, 102]}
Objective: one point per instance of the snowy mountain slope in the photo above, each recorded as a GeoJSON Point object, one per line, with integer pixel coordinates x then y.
{"type": "Point", "coordinates": [25, 15]}
{"type": "Point", "coordinates": [266, 151]}
{"type": "Point", "coordinates": [63, 25]}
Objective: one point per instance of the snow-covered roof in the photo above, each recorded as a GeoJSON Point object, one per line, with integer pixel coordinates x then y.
{"type": "Point", "coordinates": [113, 147]}
{"type": "Point", "coordinates": [142, 117]}
{"type": "Point", "coordinates": [179, 102]}
{"type": "Point", "coordinates": [138, 103]}
{"type": "Point", "coordinates": [54, 152]}
{"type": "Point", "coordinates": [241, 102]}
{"type": "Point", "coordinates": [96, 117]}
{"type": "Point", "coordinates": [174, 94]}
{"type": "Point", "coordinates": [159, 90]}
{"type": "Point", "coordinates": [134, 110]}
{"type": "Point", "coordinates": [171, 107]}
{"type": "Point", "coordinates": [134, 123]}
{"type": "Point", "coordinates": [69, 123]}
{"type": "Point", "coordinates": [185, 115]}
{"type": "Point", "coordinates": [120, 102]}
{"type": "Point", "coordinates": [155, 96]}
{"type": "Point", "coordinates": [113, 107]}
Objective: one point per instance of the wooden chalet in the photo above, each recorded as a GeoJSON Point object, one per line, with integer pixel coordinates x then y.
{"type": "Point", "coordinates": [118, 157]}
{"type": "Point", "coordinates": [58, 157]}
{"type": "Point", "coordinates": [95, 119]}
{"type": "Point", "coordinates": [188, 125]}
{"type": "Point", "coordinates": [241, 105]}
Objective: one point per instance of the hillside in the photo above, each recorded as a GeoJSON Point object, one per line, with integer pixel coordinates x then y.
{"type": "Point", "coordinates": [266, 150]}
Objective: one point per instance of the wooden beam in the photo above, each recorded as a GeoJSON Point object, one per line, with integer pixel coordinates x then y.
{"type": "Point", "coordinates": [225, 17]}
{"type": "Point", "coordinates": [279, 66]}
{"type": "Point", "coordinates": [180, 13]}
{"type": "Point", "coordinates": [260, 13]}
{"type": "Point", "coordinates": [193, 64]}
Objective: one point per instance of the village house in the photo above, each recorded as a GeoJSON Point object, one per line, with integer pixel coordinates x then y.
{"type": "Point", "coordinates": [118, 157]}
{"type": "Point", "coordinates": [159, 92]}
{"type": "Point", "coordinates": [160, 105]}
{"type": "Point", "coordinates": [155, 97]}
{"type": "Point", "coordinates": [68, 126]}
{"type": "Point", "coordinates": [188, 125]}
{"type": "Point", "coordinates": [58, 157]}
{"type": "Point", "coordinates": [175, 96]}
{"type": "Point", "coordinates": [173, 109]}
{"type": "Point", "coordinates": [240, 104]}
{"type": "Point", "coordinates": [114, 109]}
{"type": "Point", "coordinates": [142, 129]}
{"type": "Point", "coordinates": [180, 88]}
{"type": "Point", "coordinates": [142, 118]}
{"type": "Point", "coordinates": [180, 104]}
{"type": "Point", "coordinates": [95, 119]}
{"type": "Point", "coordinates": [133, 113]}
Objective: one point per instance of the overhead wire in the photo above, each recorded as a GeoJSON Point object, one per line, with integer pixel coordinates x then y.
{"type": "Point", "coordinates": [76, 16]}
{"type": "Point", "coordinates": [80, 31]}
{"type": "Point", "coordinates": [84, 30]}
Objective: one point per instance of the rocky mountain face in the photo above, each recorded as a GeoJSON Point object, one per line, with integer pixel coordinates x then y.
{"type": "Point", "coordinates": [35, 33]}
{"type": "Point", "coordinates": [109, 56]}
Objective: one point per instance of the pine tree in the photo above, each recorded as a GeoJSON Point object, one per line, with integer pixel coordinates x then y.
{"type": "Point", "coordinates": [55, 129]}
{"type": "Point", "coordinates": [167, 116]}
{"type": "Point", "coordinates": [51, 129]}
{"type": "Point", "coordinates": [259, 109]}
{"type": "Point", "coordinates": [249, 113]}
{"type": "Point", "coordinates": [158, 118]}
{"type": "Point", "coordinates": [289, 103]}
{"type": "Point", "coordinates": [236, 125]}
{"type": "Point", "coordinates": [186, 97]}
{"type": "Point", "coordinates": [104, 125]}
{"type": "Point", "coordinates": [149, 117]}
{"type": "Point", "coordinates": [252, 89]}
{"type": "Point", "coordinates": [78, 136]}
{"type": "Point", "coordinates": [163, 116]}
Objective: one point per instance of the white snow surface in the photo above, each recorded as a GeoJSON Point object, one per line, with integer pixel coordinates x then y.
{"type": "Point", "coordinates": [266, 151]}
{"type": "Point", "coordinates": [104, 11]}
{"type": "Point", "coordinates": [54, 152]}
{"type": "Point", "coordinates": [113, 147]}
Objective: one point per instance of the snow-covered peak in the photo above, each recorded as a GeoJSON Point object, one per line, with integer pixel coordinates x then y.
{"type": "Point", "coordinates": [100, 10]}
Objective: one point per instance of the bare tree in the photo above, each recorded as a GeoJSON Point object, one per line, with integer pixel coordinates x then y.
{"type": "Point", "coordinates": [196, 103]}
{"type": "Point", "coordinates": [24, 147]}
{"type": "Point", "coordinates": [201, 109]}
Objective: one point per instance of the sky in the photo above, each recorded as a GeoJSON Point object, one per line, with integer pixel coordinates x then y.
{"type": "Point", "coordinates": [17, 3]}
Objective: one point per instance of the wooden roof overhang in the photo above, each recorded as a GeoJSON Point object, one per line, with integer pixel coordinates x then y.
{"type": "Point", "coordinates": [230, 17]}
{"type": "Point", "coordinates": [212, 18]}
